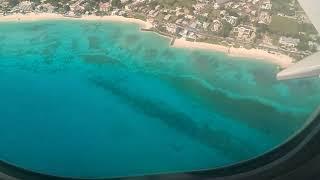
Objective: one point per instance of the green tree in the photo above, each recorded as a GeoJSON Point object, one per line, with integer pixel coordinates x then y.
{"type": "Point", "coordinates": [244, 19]}
{"type": "Point", "coordinates": [54, 3]}
{"type": "Point", "coordinates": [88, 7]}
{"type": "Point", "coordinates": [13, 3]}
{"type": "Point", "coordinates": [37, 2]}
{"type": "Point", "coordinates": [303, 45]}
{"type": "Point", "coordinates": [281, 6]}
{"type": "Point", "coordinates": [318, 40]}
{"type": "Point", "coordinates": [226, 29]}
{"type": "Point", "coordinates": [232, 13]}
{"type": "Point", "coordinates": [153, 4]}
{"type": "Point", "coordinates": [66, 8]}
{"type": "Point", "coordinates": [262, 28]}
{"type": "Point", "coordinates": [314, 49]}
{"type": "Point", "coordinates": [116, 3]}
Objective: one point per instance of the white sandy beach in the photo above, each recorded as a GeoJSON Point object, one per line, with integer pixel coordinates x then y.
{"type": "Point", "coordinates": [279, 59]}
{"type": "Point", "coordinates": [50, 16]}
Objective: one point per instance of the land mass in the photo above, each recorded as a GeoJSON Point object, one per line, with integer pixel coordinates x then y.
{"type": "Point", "coordinates": [279, 59]}
{"type": "Point", "coordinates": [275, 30]}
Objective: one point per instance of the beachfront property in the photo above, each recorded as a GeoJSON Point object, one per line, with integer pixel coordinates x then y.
{"type": "Point", "coordinates": [238, 23]}
{"type": "Point", "coordinates": [289, 42]}
{"type": "Point", "coordinates": [48, 8]}
{"type": "Point", "coordinates": [104, 7]}
{"type": "Point", "coordinates": [23, 7]}
{"type": "Point", "coordinates": [216, 26]}
{"type": "Point", "coordinates": [244, 33]}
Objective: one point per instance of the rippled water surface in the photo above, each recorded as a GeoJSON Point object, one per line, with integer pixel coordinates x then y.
{"type": "Point", "coordinates": [93, 99]}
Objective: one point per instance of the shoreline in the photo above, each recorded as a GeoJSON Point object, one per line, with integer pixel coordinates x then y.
{"type": "Point", "coordinates": [256, 54]}
{"type": "Point", "coordinates": [52, 16]}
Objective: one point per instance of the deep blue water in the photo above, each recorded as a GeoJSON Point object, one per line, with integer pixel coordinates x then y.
{"type": "Point", "coordinates": [93, 99]}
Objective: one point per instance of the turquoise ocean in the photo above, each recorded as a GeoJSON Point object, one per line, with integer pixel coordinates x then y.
{"type": "Point", "coordinates": [97, 99]}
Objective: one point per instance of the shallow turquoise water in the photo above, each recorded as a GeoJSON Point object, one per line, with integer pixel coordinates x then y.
{"type": "Point", "coordinates": [92, 99]}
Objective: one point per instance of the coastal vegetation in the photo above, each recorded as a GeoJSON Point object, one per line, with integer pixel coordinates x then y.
{"type": "Point", "coordinates": [289, 26]}
{"type": "Point", "coordinates": [283, 6]}
{"type": "Point", "coordinates": [176, 3]}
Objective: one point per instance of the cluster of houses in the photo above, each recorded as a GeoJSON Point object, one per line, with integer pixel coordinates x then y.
{"type": "Point", "coordinates": [23, 7]}
{"type": "Point", "coordinates": [186, 22]}
{"type": "Point", "coordinates": [289, 43]}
